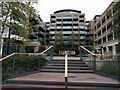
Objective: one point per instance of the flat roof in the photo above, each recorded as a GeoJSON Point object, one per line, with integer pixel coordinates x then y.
{"type": "Point", "coordinates": [64, 10]}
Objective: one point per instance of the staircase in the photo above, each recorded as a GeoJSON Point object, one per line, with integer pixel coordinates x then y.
{"type": "Point", "coordinates": [74, 66]}
{"type": "Point", "coordinates": [51, 77]}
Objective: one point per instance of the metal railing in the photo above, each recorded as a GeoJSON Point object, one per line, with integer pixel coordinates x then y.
{"type": "Point", "coordinates": [107, 66]}
{"type": "Point", "coordinates": [66, 71]}
{"type": "Point", "coordinates": [21, 63]}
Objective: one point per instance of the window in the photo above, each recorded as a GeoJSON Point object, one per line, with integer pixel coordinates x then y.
{"type": "Point", "coordinates": [82, 32]}
{"type": "Point", "coordinates": [110, 37]}
{"type": "Point", "coordinates": [103, 20]}
{"type": "Point", "coordinates": [52, 27]}
{"type": "Point", "coordinates": [58, 17]}
{"type": "Point", "coordinates": [108, 26]}
{"type": "Point", "coordinates": [104, 49]}
{"type": "Point", "coordinates": [67, 22]}
{"type": "Point", "coordinates": [99, 33]}
{"type": "Point", "coordinates": [68, 27]}
{"type": "Point", "coordinates": [58, 22]}
{"type": "Point", "coordinates": [98, 25]}
{"type": "Point", "coordinates": [75, 27]}
{"type": "Point", "coordinates": [52, 16]}
{"type": "Point", "coordinates": [82, 18]}
{"type": "Point", "coordinates": [67, 17]}
{"type": "Point", "coordinates": [104, 30]}
{"type": "Point", "coordinates": [52, 32]}
{"type": "Point", "coordinates": [110, 49]}
{"type": "Point", "coordinates": [58, 27]}
{"type": "Point", "coordinates": [81, 22]}
{"type": "Point", "coordinates": [99, 41]}
{"type": "Point", "coordinates": [104, 39]}
{"type": "Point", "coordinates": [82, 27]}
{"type": "Point", "coordinates": [109, 14]}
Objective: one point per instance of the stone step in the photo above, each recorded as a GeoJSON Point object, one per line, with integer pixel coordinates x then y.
{"type": "Point", "coordinates": [70, 65]}
{"type": "Point", "coordinates": [75, 85]}
{"type": "Point", "coordinates": [73, 68]}
{"type": "Point", "coordinates": [69, 71]}
{"type": "Point", "coordinates": [69, 62]}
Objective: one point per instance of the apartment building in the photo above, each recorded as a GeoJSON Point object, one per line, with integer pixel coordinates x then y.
{"type": "Point", "coordinates": [32, 43]}
{"type": "Point", "coordinates": [47, 33]}
{"type": "Point", "coordinates": [69, 27]}
{"type": "Point", "coordinates": [37, 36]}
{"type": "Point", "coordinates": [39, 33]}
{"type": "Point", "coordinates": [101, 27]}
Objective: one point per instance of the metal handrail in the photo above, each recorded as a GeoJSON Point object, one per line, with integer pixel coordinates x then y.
{"type": "Point", "coordinates": [25, 54]}
{"type": "Point", "coordinates": [98, 54]}
{"type": "Point", "coordinates": [94, 55]}
{"type": "Point", "coordinates": [88, 51]}
{"type": "Point", "coordinates": [66, 71]}
{"type": "Point", "coordinates": [1, 59]}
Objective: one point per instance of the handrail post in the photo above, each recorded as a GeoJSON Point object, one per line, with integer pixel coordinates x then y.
{"type": "Point", "coordinates": [80, 53]}
{"type": "Point", "coordinates": [66, 71]}
{"type": "Point", "coordinates": [39, 62]}
{"type": "Point", "coordinates": [13, 68]}
{"type": "Point", "coordinates": [51, 54]}
{"type": "Point", "coordinates": [94, 62]}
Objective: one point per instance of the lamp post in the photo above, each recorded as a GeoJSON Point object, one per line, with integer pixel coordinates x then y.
{"type": "Point", "coordinates": [101, 52]}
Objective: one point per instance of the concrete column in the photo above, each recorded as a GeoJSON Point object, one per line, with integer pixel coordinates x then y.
{"type": "Point", "coordinates": [102, 51]}
{"type": "Point", "coordinates": [114, 49]}
{"type": "Point", "coordinates": [106, 27]}
{"type": "Point", "coordinates": [107, 49]}
{"type": "Point", "coordinates": [102, 40]}
{"type": "Point", "coordinates": [106, 38]}
{"type": "Point", "coordinates": [101, 31]}
{"type": "Point", "coordinates": [101, 23]}
{"type": "Point", "coordinates": [105, 18]}
{"type": "Point", "coordinates": [1, 46]}
{"type": "Point", "coordinates": [112, 12]}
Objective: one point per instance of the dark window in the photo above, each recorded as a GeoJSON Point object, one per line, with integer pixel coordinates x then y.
{"type": "Point", "coordinates": [110, 37]}
{"type": "Point", "coordinates": [104, 30]}
{"type": "Point", "coordinates": [52, 16]}
{"type": "Point", "coordinates": [104, 39]}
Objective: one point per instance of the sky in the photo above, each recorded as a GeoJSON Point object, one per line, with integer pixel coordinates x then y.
{"type": "Point", "coordinates": [89, 7]}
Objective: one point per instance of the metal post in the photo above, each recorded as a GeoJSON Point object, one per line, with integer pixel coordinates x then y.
{"type": "Point", "coordinates": [66, 72]}
{"type": "Point", "coordinates": [52, 53]}
{"type": "Point", "coordinates": [101, 52]}
{"type": "Point", "coordinates": [94, 68]}
{"type": "Point", "coordinates": [13, 68]}
{"type": "Point", "coordinates": [39, 66]}
{"type": "Point", "coordinates": [94, 63]}
{"type": "Point", "coordinates": [80, 53]}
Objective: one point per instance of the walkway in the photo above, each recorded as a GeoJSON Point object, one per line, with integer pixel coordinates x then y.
{"type": "Point", "coordinates": [51, 77]}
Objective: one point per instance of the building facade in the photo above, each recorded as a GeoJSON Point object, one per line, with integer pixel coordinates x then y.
{"type": "Point", "coordinates": [47, 33]}
{"type": "Point", "coordinates": [101, 27]}
{"type": "Point", "coordinates": [68, 27]}
{"type": "Point", "coordinates": [32, 43]}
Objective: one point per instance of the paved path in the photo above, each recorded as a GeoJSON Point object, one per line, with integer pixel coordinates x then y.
{"type": "Point", "coordinates": [52, 76]}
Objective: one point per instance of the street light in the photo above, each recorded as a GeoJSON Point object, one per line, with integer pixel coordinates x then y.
{"type": "Point", "coordinates": [101, 52]}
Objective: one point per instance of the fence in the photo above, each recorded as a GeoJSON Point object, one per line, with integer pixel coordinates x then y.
{"type": "Point", "coordinates": [108, 64]}
{"type": "Point", "coordinates": [21, 63]}
{"type": "Point", "coordinates": [12, 48]}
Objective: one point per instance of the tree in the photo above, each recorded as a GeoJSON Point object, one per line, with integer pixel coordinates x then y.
{"type": "Point", "coordinates": [59, 41]}
{"type": "Point", "coordinates": [116, 23]}
{"type": "Point", "coordinates": [15, 19]}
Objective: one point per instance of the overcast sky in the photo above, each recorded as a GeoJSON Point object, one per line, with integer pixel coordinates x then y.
{"type": "Point", "coordinates": [89, 7]}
